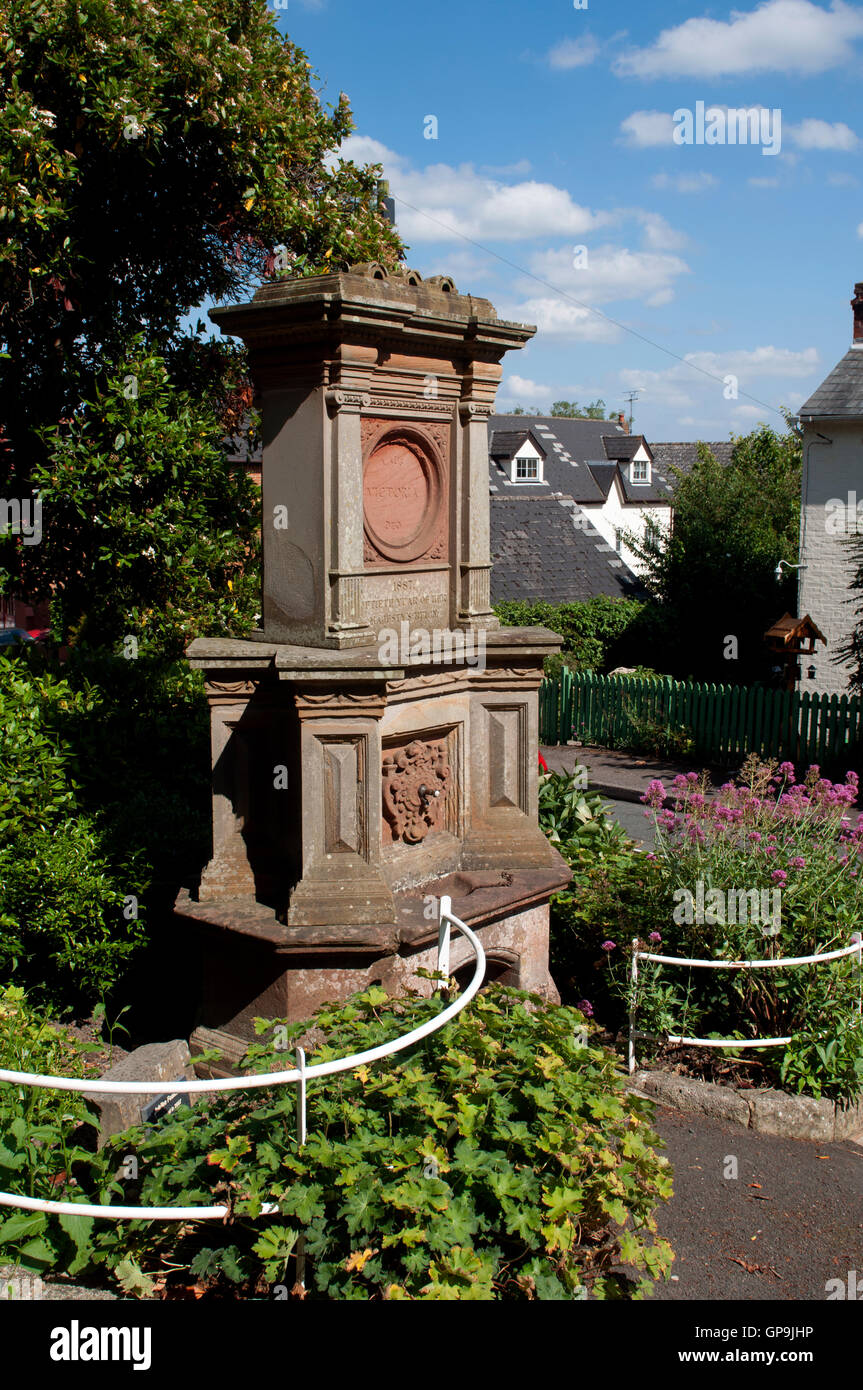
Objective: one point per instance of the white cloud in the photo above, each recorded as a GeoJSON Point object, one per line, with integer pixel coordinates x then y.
{"type": "Point", "coordinates": [659, 235]}
{"type": "Point", "coordinates": [686, 385]}
{"type": "Point", "coordinates": [612, 274]}
{"type": "Point", "coordinates": [644, 129]}
{"type": "Point", "coordinates": [763, 183]}
{"type": "Point", "coordinates": [685, 183]}
{"type": "Point", "coordinates": [573, 53]}
{"type": "Point", "coordinates": [843, 180]}
{"type": "Point", "coordinates": [860, 230]}
{"type": "Point", "coordinates": [813, 134]}
{"type": "Point", "coordinates": [486, 209]}
{"type": "Point", "coordinates": [558, 318]}
{"type": "Point", "coordinates": [521, 390]}
{"type": "Point", "coordinates": [760, 362]}
{"type": "Point", "coordinates": [672, 388]}
{"type": "Point", "coordinates": [790, 36]}
{"type": "Point", "coordinates": [448, 203]}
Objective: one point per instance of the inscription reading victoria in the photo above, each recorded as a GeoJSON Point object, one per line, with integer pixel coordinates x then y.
{"type": "Point", "coordinates": [404, 494]}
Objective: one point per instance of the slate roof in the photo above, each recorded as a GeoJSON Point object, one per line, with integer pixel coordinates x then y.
{"type": "Point", "coordinates": [841, 394]}
{"type": "Point", "coordinates": [625, 447]}
{"type": "Point", "coordinates": [684, 455]}
{"type": "Point", "coordinates": [546, 548]}
{"type": "Point", "coordinates": [567, 444]}
{"type": "Point", "coordinates": [506, 443]}
{"type": "Point", "coordinates": [603, 475]}
{"type": "Point", "coordinates": [577, 458]}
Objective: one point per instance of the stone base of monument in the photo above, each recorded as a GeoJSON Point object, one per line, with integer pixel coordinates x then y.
{"type": "Point", "coordinates": [257, 967]}
{"type": "Point", "coordinates": [349, 796]}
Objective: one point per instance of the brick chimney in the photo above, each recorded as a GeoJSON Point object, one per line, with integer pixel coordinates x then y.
{"type": "Point", "coordinates": [622, 418]}
{"type": "Point", "coordinates": [857, 306]}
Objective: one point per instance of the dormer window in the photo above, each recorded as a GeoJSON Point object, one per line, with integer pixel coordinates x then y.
{"type": "Point", "coordinates": [639, 471]}
{"type": "Point", "coordinates": [526, 470]}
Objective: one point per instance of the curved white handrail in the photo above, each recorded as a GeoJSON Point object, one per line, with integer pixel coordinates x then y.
{"type": "Point", "coordinates": [244, 1083]}
{"type": "Point", "coordinates": [782, 961]}
{"type": "Point", "coordinates": [752, 964]}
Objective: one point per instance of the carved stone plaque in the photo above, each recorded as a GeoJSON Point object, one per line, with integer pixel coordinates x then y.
{"type": "Point", "coordinates": [404, 494]}
{"type": "Point", "coordinates": [416, 780]}
{"type": "Point", "coordinates": [398, 493]}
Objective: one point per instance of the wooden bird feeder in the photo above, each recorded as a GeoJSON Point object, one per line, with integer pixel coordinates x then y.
{"type": "Point", "coordinates": [790, 638]}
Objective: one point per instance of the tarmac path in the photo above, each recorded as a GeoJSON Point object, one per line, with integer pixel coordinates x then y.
{"type": "Point", "coordinates": [790, 1221]}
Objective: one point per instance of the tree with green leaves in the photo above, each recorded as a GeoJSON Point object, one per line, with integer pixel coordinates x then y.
{"type": "Point", "coordinates": [714, 575]}
{"type": "Point", "coordinates": [147, 515]}
{"type": "Point", "coordinates": [569, 410]}
{"type": "Point", "coordinates": [153, 154]}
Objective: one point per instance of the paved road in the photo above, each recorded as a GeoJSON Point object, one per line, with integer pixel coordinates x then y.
{"type": "Point", "coordinates": [631, 816]}
{"type": "Point", "coordinates": [800, 1227]}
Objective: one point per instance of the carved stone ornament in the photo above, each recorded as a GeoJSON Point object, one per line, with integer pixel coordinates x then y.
{"type": "Point", "coordinates": [340, 399]}
{"type": "Point", "coordinates": [410, 405]}
{"type": "Point", "coordinates": [231, 687]}
{"type": "Point", "coordinates": [474, 410]}
{"type": "Point", "coordinates": [416, 780]}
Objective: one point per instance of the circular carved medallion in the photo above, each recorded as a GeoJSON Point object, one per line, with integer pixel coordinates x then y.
{"type": "Point", "coordinates": [401, 498]}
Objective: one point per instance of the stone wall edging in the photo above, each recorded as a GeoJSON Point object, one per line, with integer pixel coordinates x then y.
{"type": "Point", "coordinates": [766, 1112]}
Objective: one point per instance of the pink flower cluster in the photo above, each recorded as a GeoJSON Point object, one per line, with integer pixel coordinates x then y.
{"type": "Point", "coordinates": [742, 818]}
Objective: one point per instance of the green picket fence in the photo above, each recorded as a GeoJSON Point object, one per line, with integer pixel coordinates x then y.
{"type": "Point", "coordinates": [725, 722]}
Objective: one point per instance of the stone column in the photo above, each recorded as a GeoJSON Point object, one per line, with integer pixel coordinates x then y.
{"type": "Point", "coordinates": [229, 873]}
{"type": "Point", "coordinates": [474, 605]}
{"type": "Point", "coordinates": [345, 540]}
{"type": "Point", "coordinates": [503, 830]}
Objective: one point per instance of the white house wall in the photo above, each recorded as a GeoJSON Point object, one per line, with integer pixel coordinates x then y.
{"type": "Point", "coordinates": [830, 473]}
{"type": "Point", "coordinates": [614, 516]}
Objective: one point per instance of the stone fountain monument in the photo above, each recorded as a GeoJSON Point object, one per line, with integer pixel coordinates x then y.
{"type": "Point", "coordinates": [374, 746]}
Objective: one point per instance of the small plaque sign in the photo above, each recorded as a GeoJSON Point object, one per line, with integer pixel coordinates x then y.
{"type": "Point", "coordinates": [160, 1107]}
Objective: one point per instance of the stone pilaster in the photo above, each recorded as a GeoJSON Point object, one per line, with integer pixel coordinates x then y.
{"type": "Point", "coordinates": [229, 873]}
{"type": "Point", "coordinates": [474, 607]}
{"type": "Point", "coordinates": [340, 750]}
{"type": "Point", "coordinates": [346, 623]}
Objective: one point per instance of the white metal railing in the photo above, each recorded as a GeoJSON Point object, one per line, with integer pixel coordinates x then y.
{"type": "Point", "coordinates": [855, 949]}
{"type": "Point", "coordinates": [299, 1076]}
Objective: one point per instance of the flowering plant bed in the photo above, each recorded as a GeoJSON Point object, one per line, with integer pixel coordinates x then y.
{"type": "Point", "coordinates": [765, 869]}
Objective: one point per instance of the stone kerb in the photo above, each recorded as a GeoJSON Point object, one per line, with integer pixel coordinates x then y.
{"type": "Point", "coordinates": [765, 1111]}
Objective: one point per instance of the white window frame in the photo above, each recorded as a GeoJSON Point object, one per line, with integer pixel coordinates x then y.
{"type": "Point", "coordinates": [527, 460]}
{"type": "Point", "coordinates": [639, 464]}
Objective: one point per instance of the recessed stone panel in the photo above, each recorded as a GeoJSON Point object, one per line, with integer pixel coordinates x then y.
{"type": "Point", "coordinates": [504, 757]}
{"type": "Point", "coordinates": [343, 800]}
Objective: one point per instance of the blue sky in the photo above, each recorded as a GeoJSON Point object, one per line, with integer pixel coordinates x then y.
{"type": "Point", "coordinates": [555, 132]}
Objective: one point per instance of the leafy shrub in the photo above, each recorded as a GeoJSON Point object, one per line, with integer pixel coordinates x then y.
{"type": "Point", "coordinates": [104, 778]}
{"type": "Point", "coordinates": [36, 788]}
{"type": "Point", "coordinates": [40, 1131]}
{"type": "Point", "coordinates": [66, 930]}
{"type": "Point", "coordinates": [160, 553]}
{"type": "Point", "coordinates": [657, 737]}
{"type": "Point", "coordinates": [500, 1158]}
{"type": "Point", "coordinates": [607, 898]}
{"type": "Point", "coordinates": [574, 818]}
{"type": "Point", "coordinates": [592, 631]}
